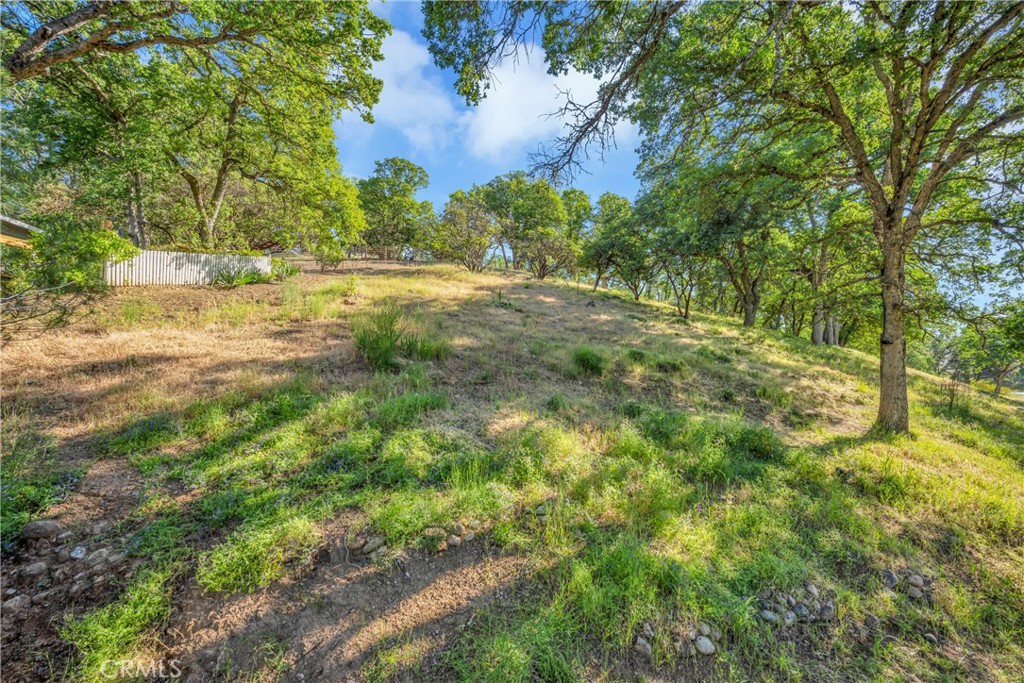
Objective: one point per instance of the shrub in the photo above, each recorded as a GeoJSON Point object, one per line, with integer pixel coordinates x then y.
{"type": "Point", "coordinates": [229, 279]}
{"type": "Point", "coordinates": [282, 270]}
{"type": "Point", "coordinates": [379, 336]}
{"type": "Point", "coordinates": [588, 362]}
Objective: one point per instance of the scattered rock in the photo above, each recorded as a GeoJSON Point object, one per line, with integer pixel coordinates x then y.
{"type": "Point", "coordinates": [77, 553]}
{"type": "Point", "coordinates": [378, 554]}
{"type": "Point", "coordinates": [801, 611]}
{"type": "Point", "coordinates": [78, 587]}
{"type": "Point", "coordinates": [541, 510]}
{"type": "Point", "coordinates": [457, 529]}
{"type": "Point", "coordinates": [932, 640]}
{"type": "Point", "coordinates": [356, 544]}
{"type": "Point", "coordinates": [40, 598]}
{"type": "Point", "coordinates": [716, 633]}
{"type": "Point", "coordinates": [35, 569]}
{"type": "Point", "coordinates": [872, 622]}
{"type": "Point", "coordinates": [454, 541]}
{"type": "Point", "coordinates": [704, 628]}
{"type": "Point", "coordinates": [915, 592]}
{"type": "Point", "coordinates": [64, 536]}
{"type": "Point", "coordinates": [916, 580]}
{"type": "Point", "coordinates": [769, 616]}
{"type": "Point", "coordinates": [648, 632]}
{"type": "Point", "coordinates": [889, 578]}
{"type": "Point", "coordinates": [643, 647]}
{"type": "Point", "coordinates": [704, 645]}
{"type": "Point", "coordinates": [690, 632]}
{"type": "Point", "coordinates": [40, 528]}
{"type": "Point", "coordinates": [469, 536]}
{"type": "Point", "coordinates": [686, 648]}
{"type": "Point", "coordinates": [828, 610]}
{"type": "Point", "coordinates": [813, 590]}
{"type": "Point", "coordinates": [98, 557]}
{"type": "Point", "coordinates": [373, 544]}
{"type": "Point", "coordinates": [789, 618]}
{"type": "Point", "coordinates": [17, 604]}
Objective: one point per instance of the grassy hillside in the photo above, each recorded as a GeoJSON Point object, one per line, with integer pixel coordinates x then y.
{"type": "Point", "coordinates": [539, 483]}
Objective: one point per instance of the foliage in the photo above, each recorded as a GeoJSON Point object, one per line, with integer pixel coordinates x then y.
{"type": "Point", "coordinates": [466, 232]}
{"type": "Point", "coordinates": [394, 217]}
{"type": "Point", "coordinates": [280, 269]}
{"type": "Point", "coordinates": [239, 277]}
{"type": "Point", "coordinates": [589, 362]}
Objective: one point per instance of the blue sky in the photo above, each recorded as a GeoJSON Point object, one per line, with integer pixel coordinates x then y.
{"type": "Point", "coordinates": [421, 118]}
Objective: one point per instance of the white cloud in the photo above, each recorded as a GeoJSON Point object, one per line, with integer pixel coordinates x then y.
{"type": "Point", "coordinates": [415, 104]}
{"type": "Point", "coordinates": [516, 116]}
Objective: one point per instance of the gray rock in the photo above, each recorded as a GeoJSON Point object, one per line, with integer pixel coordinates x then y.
{"type": "Point", "coordinates": [379, 553]}
{"type": "Point", "coordinates": [790, 600]}
{"type": "Point", "coordinates": [889, 578]}
{"type": "Point", "coordinates": [828, 610]}
{"type": "Point", "coordinates": [64, 536]}
{"type": "Point", "coordinates": [454, 541]}
{"type": "Point", "coordinates": [77, 553]}
{"type": "Point", "coordinates": [916, 580]}
{"type": "Point", "coordinates": [98, 557]}
{"type": "Point", "coordinates": [716, 633]}
{"type": "Point", "coordinates": [789, 618]}
{"type": "Point", "coordinates": [770, 616]}
{"type": "Point", "coordinates": [457, 529]}
{"type": "Point", "coordinates": [643, 647]}
{"type": "Point", "coordinates": [78, 587]}
{"type": "Point", "coordinates": [17, 604]}
{"type": "Point", "coordinates": [541, 509]}
{"type": "Point", "coordinates": [801, 611]}
{"type": "Point", "coordinates": [647, 631]}
{"type": "Point", "coordinates": [704, 628]}
{"type": "Point", "coordinates": [356, 544]}
{"type": "Point", "coordinates": [35, 569]}
{"type": "Point", "coordinates": [373, 544]}
{"type": "Point", "coordinates": [686, 648]}
{"type": "Point", "coordinates": [872, 622]}
{"type": "Point", "coordinates": [690, 632]}
{"type": "Point", "coordinates": [469, 536]}
{"type": "Point", "coordinates": [40, 598]}
{"type": "Point", "coordinates": [704, 645]}
{"type": "Point", "coordinates": [930, 637]}
{"type": "Point", "coordinates": [40, 528]}
{"type": "Point", "coordinates": [813, 590]}
{"type": "Point", "coordinates": [915, 592]}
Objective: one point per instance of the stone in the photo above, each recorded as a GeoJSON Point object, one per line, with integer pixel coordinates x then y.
{"type": "Point", "coordinates": [643, 647]}
{"type": "Point", "coordinates": [378, 554]}
{"type": "Point", "coordinates": [98, 557]}
{"type": "Point", "coordinates": [77, 553]}
{"type": "Point", "coordinates": [889, 578]}
{"type": "Point", "coordinates": [828, 610]}
{"type": "Point", "coordinates": [716, 633]}
{"type": "Point", "coordinates": [915, 592]}
{"type": "Point", "coordinates": [872, 622]}
{"type": "Point", "coordinates": [541, 509]}
{"type": "Point", "coordinates": [932, 640]}
{"type": "Point", "coordinates": [690, 632]}
{"type": "Point", "coordinates": [686, 648]}
{"type": "Point", "coordinates": [356, 544]}
{"type": "Point", "coordinates": [373, 544]}
{"type": "Point", "coordinates": [801, 611]}
{"type": "Point", "coordinates": [40, 598]}
{"type": "Point", "coordinates": [40, 528]}
{"type": "Point", "coordinates": [916, 580]}
{"type": "Point", "coordinates": [64, 536]}
{"type": "Point", "coordinates": [813, 590]}
{"type": "Point", "coordinates": [78, 587]}
{"type": "Point", "coordinates": [454, 541]}
{"type": "Point", "coordinates": [469, 536]}
{"type": "Point", "coordinates": [35, 569]}
{"type": "Point", "coordinates": [789, 618]}
{"type": "Point", "coordinates": [17, 604]}
{"type": "Point", "coordinates": [790, 600]}
{"type": "Point", "coordinates": [704, 628]}
{"type": "Point", "coordinates": [457, 529]}
{"type": "Point", "coordinates": [648, 632]}
{"type": "Point", "coordinates": [704, 645]}
{"type": "Point", "coordinates": [769, 616]}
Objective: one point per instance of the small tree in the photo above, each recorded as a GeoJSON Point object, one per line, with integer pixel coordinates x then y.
{"type": "Point", "coordinates": [466, 232]}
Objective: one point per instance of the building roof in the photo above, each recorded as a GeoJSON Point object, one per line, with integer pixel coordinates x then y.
{"type": "Point", "coordinates": [16, 233]}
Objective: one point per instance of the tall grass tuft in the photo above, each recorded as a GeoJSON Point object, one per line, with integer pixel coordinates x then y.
{"type": "Point", "coordinates": [588, 362]}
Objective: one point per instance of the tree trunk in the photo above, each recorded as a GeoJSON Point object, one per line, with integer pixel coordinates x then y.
{"type": "Point", "coordinates": [818, 325]}
{"type": "Point", "coordinates": [893, 405]}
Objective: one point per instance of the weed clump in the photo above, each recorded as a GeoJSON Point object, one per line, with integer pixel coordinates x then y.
{"type": "Point", "coordinates": [383, 336]}
{"type": "Point", "coordinates": [588, 362]}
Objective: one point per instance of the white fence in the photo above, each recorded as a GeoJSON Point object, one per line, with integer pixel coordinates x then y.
{"type": "Point", "coordinates": [178, 268]}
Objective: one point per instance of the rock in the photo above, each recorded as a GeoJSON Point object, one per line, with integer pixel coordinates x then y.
{"type": "Point", "coordinates": [889, 578]}
{"type": "Point", "coordinates": [356, 544]}
{"type": "Point", "coordinates": [915, 592]}
{"type": "Point", "coordinates": [457, 529]}
{"type": "Point", "coordinates": [686, 648]}
{"type": "Point", "coordinates": [789, 618]}
{"type": "Point", "coordinates": [64, 536]}
{"type": "Point", "coordinates": [828, 610]}
{"type": "Point", "coordinates": [118, 558]}
{"type": "Point", "coordinates": [40, 528]}
{"type": "Point", "coordinates": [469, 536]}
{"type": "Point", "coordinates": [98, 528]}
{"type": "Point", "coordinates": [378, 554]}
{"type": "Point", "coordinates": [813, 590]}
{"type": "Point", "coordinates": [373, 544]}
{"type": "Point", "coordinates": [40, 598]}
{"type": "Point", "coordinates": [77, 553]}
{"type": "Point", "coordinates": [643, 647]}
{"type": "Point", "coordinates": [716, 633]}
{"type": "Point", "coordinates": [930, 637]}
{"type": "Point", "coordinates": [78, 587]}
{"type": "Point", "coordinates": [17, 604]}
{"type": "Point", "coordinates": [801, 611]}
{"type": "Point", "coordinates": [647, 631]}
{"type": "Point", "coordinates": [541, 509]}
{"type": "Point", "coordinates": [98, 557]}
{"type": "Point", "coordinates": [916, 580]}
{"type": "Point", "coordinates": [872, 623]}
{"type": "Point", "coordinates": [704, 628]}
{"type": "Point", "coordinates": [35, 569]}
{"type": "Point", "coordinates": [454, 541]}
{"type": "Point", "coordinates": [704, 645]}
{"type": "Point", "coordinates": [690, 632]}
{"type": "Point", "coordinates": [790, 600]}
{"type": "Point", "coordinates": [769, 616]}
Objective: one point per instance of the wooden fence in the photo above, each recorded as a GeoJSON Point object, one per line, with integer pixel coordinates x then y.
{"type": "Point", "coordinates": [178, 268]}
